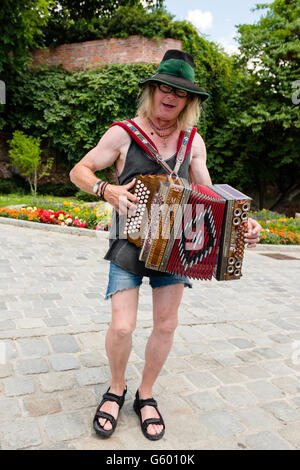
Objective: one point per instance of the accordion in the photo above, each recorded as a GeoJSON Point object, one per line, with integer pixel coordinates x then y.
{"type": "Point", "coordinates": [188, 230]}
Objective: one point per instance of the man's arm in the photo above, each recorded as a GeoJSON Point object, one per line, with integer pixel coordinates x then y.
{"type": "Point", "coordinates": [198, 170]}
{"type": "Point", "coordinates": [106, 152]}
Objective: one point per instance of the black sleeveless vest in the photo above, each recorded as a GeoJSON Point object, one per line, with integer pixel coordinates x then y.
{"type": "Point", "coordinates": [121, 251]}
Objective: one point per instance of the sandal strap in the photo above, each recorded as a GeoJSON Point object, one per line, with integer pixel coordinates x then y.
{"type": "Point", "coordinates": [112, 397]}
{"type": "Point", "coordinates": [147, 402]}
{"type": "Point", "coordinates": [102, 414]}
{"type": "Point", "coordinates": [148, 421]}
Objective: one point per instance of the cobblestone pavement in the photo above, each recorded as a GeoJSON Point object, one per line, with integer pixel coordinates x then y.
{"type": "Point", "coordinates": [232, 380]}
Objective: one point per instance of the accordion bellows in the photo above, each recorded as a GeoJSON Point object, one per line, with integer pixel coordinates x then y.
{"type": "Point", "coordinates": [195, 231]}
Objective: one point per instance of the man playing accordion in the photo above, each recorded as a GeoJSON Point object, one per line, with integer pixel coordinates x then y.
{"type": "Point", "coordinates": [169, 104]}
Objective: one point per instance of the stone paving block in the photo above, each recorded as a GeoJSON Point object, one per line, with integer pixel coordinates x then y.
{"type": "Point", "coordinates": [189, 333]}
{"type": "Point", "coordinates": [199, 347]}
{"type": "Point", "coordinates": [64, 362]}
{"type": "Point", "coordinates": [210, 331]}
{"type": "Point", "coordinates": [222, 423]}
{"type": "Point", "coordinates": [37, 406]}
{"type": "Point", "coordinates": [291, 433]}
{"type": "Point", "coordinates": [5, 370]}
{"type": "Point", "coordinates": [93, 359]}
{"type": "Point", "coordinates": [195, 432]}
{"type": "Point", "coordinates": [202, 379]}
{"type": "Point", "coordinates": [56, 322]}
{"type": "Point", "coordinates": [91, 341]}
{"type": "Point", "coordinates": [64, 344]}
{"type": "Point", "coordinates": [199, 361]}
{"type": "Point", "coordinates": [177, 365]}
{"type": "Point", "coordinates": [15, 386]}
{"type": "Point", "coordinates": [256, 418]}
{"type": "Point", "coordinates": [241, 343]}
{"type": "Point", "coordinates": [219, 345]}
{"type": "Point", "coordinates": [287, 385]}
{"type": "Point", "coordinates": [228, 375]}
{"type": "Point", "coordinates": [232, 331]}
{"type": "Point", "coordinates": [248, 356]}
{"type": "Point", "coordinates": [226, 359]}
{"type": "Point", "coordinates": [296, 401]}
{"type": "Point", "coordinates": [277, 368]}
{"type": "Point", "coordinates": [9, 409]}
{"type": "Point", "coordinates": [253, 372]}
{"type": "Point", "coordinates": [29, 323]}
{"type": "Point", "coordinates": [7, 325]}
{"type": "Point", "coordinates": [32, 366]}
{"type": "Point", "coordinates": [169, 383]}
{"type": "Point", "coordinates": [91, 376]}
{"type": "Point", "coordinates": [266, 441]}
{"type": "Point", "coordinates": [280, 339]}
{"type": "Point", "coordinates": [283, 411]}
{"type": "Point", "coordinates": [78, 399]}
{"type": "Point", "coordinates": [264, 390]}
{"type": "Point", "coordinates": [237, 395]}
{"type": "Point", "coordinates": [20, 434]}
{"type": "Point", "coordinates": [59, 312]}
{"type": "Point", "coordinates": [55, 381]}
{"type": "Point", "coordinates": [10, 315]}
{"type": "Point", "coordinates": [64, 427]}
{"type": "Point", "coordinates": [206, 401]}
{"type": "Point", "coordinates": [33, 346]}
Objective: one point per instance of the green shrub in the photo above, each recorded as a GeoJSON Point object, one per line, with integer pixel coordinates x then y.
{"type": "Point", "coordinates": [25, 155]}
{"type": "Point", "coordinates": [58, 189]}
{"type": "Point", "coordinates": [8, 186]}
{"type": "Point", "coordinates": [82, 196]}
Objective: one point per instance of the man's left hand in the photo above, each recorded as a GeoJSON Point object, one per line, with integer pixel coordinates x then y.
{"type": "Point", "coordinates": [252, 235]}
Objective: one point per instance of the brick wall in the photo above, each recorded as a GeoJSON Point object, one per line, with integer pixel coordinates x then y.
{"type": "Point", "coordinates": [90, 54]}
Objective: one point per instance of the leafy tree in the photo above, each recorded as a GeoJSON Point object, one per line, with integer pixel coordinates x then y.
{"type": "Point", "coordinates": [21, 23]}
{"type": "Point", "coordinates": [25, 154]}
{"type": "Point", "coordinates": [86, 20]}
{"type": "Point", "coordinates": [88, 9]}
{"type": "Point", "coordinates": [259, 138]}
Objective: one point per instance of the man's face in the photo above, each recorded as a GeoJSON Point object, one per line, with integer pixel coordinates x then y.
{"type": "Point", "coordinates": [167, 106]}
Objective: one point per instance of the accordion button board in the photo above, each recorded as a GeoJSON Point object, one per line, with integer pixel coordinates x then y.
{"type": "Point", "coordinates": [195, 231]}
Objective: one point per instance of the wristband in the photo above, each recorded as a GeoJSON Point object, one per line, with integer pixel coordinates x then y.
{"type": "Point", "coordinates": [103, 188]}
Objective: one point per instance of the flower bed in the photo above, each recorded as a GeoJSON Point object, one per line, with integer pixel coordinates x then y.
{"type": "Point", "coordinates": [277, 229]}
{"type": "Point", "coordinates": [80, 216]}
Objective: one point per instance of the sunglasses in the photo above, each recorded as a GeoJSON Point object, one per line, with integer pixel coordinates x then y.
{"type": "Point", "coordinates": [169, 89]}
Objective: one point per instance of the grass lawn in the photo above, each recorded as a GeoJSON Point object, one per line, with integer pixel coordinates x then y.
{"type": "Point", "coordinates": [16, 199]}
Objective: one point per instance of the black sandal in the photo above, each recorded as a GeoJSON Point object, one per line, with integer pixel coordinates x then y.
{"type": "Point", "coordinates": [101, 414]}
{"type": "Point", "coordinates": [138, 405]}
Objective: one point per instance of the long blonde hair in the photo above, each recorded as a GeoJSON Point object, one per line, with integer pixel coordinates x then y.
{"type": "Point", "coordinates": [188, 117]}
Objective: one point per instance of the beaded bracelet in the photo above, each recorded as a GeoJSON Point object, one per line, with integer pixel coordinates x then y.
{"type": "Point", "coordinates": [103, 187]}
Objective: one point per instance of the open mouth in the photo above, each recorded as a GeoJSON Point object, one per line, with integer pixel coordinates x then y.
{"type": "Point", "coordinates": [169, 106]}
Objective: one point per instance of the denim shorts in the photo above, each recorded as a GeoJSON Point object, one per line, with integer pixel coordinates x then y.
{"type": "Point", "coordinates": [119, 279]}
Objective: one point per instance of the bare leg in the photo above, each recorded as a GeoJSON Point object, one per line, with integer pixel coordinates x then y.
{"type": "Point", "coordinates": [166, 301]}
{"type": "Point", "coordinates": [118, 343]}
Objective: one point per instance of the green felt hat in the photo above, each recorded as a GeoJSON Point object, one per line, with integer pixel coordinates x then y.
{"type": "Point", "coordinates": [177, 70]}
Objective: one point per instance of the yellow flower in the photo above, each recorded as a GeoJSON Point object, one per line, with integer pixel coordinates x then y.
{"type": "Point", "coordinates": [61, 217]}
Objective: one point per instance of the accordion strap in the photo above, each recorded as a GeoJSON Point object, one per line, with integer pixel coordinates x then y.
{"type": "Point", "coordinates": [184, 144]}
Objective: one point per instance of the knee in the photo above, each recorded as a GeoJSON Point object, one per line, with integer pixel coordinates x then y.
{"type": "Point", "coordinates": [166, 325]}
{"type": "Point", "coordinates": [122, 330]}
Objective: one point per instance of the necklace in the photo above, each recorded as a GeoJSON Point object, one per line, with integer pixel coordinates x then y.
{"type": "Point", "coordinates": [160, 132]}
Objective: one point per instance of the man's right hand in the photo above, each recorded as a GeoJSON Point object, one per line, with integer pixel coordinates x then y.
{"type": "Point", "coordinates": [121, 198]}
